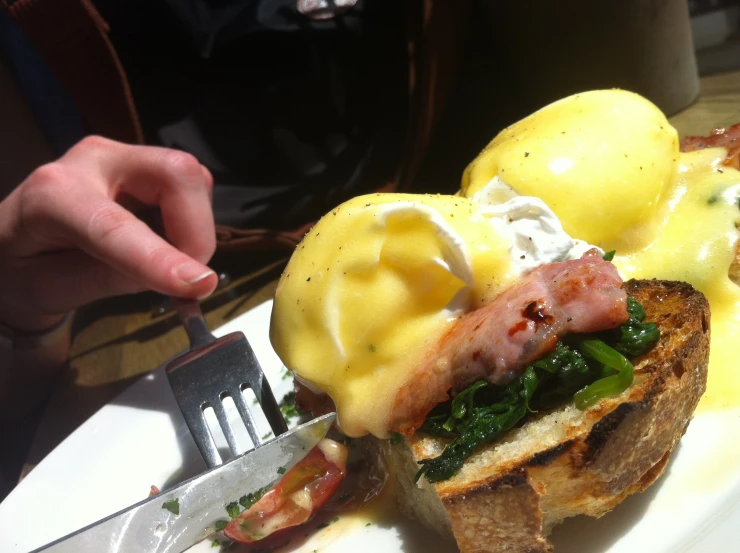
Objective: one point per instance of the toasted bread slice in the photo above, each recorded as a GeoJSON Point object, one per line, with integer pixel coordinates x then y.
{"type": "Point", "coordinates": [566, 462]}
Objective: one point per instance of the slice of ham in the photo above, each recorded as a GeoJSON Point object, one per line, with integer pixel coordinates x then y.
{"type": "Point", "coordinates": [725, 138]}
{"type": "Point", "coordinates": [498, 341]}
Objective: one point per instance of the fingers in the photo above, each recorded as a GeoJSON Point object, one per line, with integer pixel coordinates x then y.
{"type": "Point", "coordinates": [70, 204]}
{"type": "Point", "coordinates": [82, 278]}
{"type": "Point", "coordinates": [88, 219]}
{"type": "Point", "coordinates": [172, 179]}
{"type": "Point", "coordinates": [116, 237]}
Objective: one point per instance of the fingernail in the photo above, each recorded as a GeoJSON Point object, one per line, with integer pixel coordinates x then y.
{"type": "Point", "coordinates": [190, 273]}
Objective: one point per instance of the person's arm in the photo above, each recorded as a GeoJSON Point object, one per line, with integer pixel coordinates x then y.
{"type": "Point", "coordinates": [65, 240]}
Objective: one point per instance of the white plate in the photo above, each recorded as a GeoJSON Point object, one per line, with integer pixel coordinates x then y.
{"type": "Point", "coordinates": [140, 439]}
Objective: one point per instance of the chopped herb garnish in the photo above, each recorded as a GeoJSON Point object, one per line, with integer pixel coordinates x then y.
{"type": "Point", "coordinates": [608, 256]}
{"type": "Point", "coordinates": [322, 526]}
{"type": "Point", "coordinates": [250, 499]}
{"type": "Point", "coordinates": [371, 347]}
{"type": "Point", "coordinates": [215, 543]}
{"type": "Point", "coordinates": [287, 407]}
{"type": "Point", "coordinates": [173, 506]}
{"type": "Point", "coordinates": [395, 438]}
{"type": "Point", "coordinates": [233, 509]}
{"type": "Point", "coordinates": [336, 519]}
{"type": "Point", "coordinates": [221, 524]}
{"type": "Point", "coordinates": [369, 524]}
{"type": "Point", "coordinates": [724, 196]}
{"type": "Point", "coordinates": [281, 470]}
{"type": "Point", "coordinates": [267, 435]}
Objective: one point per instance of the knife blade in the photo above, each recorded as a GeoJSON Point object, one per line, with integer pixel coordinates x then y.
{"type": "Point", "coordinates": [147, 527]}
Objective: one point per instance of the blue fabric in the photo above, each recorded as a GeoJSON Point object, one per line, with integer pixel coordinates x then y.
{"type": "Point", "coordinates": [57, 115]}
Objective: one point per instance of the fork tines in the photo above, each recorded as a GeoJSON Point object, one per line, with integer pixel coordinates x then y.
{"type": "Point", "coordinates": [213, 370]}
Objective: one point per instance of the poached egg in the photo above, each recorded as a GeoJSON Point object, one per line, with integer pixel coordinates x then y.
{"type": "Point", "coordinates": [378, 281]}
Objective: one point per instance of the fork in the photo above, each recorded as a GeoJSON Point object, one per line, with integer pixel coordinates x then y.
{"type": "Point", "coordinates": [213, 369]}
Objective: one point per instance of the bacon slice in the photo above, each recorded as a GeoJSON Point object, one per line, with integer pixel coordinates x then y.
{"type": "Point", "coordinates": [725, 138]}
{"type": "Point", "coordinates": [498, 341]}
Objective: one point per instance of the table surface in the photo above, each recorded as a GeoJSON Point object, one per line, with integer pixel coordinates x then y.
{"type": "Point", "coordinates": [117, 341]}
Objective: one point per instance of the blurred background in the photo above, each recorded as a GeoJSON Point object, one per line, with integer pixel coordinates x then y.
{"type": "Point", "coordinates": [297, 105]}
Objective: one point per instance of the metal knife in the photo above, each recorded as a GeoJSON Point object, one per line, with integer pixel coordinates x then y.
{"type": "Point", "coordinates": [147, 527]}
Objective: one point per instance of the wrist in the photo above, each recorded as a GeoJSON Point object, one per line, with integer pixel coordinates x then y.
{"type": "Point", "coordinates": [31, 322]}
{"type": "Point", "coordinates": [35, 333]}
{"type": "Point", "coordinates": [30, 368]}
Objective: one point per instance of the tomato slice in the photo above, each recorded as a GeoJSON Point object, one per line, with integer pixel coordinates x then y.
{"type": "Point", "coordinates": [296, 498]}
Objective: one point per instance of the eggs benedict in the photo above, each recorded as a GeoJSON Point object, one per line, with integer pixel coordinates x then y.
{"type": "Point", "coordinates": [494, 332]}
{"type": "Point", "coordinates": [366, 298]}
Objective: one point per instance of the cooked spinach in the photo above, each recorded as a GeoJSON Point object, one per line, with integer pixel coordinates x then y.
{"type": "Point", "coordinates": [635, 337]}
{"type": "Point", "coordinates": [480, 425]}
{"type": "Point", "coordinates": [583, 368]}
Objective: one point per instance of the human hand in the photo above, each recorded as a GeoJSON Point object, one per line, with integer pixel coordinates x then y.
{"type": "Point", "coordinates": [65, 239]}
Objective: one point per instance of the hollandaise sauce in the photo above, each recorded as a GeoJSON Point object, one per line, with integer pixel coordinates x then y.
{"type": "Point", "coordinates": [696, 241]}
{"type": "Point", "coordinates": [607, 162]}
{"type": "Point", "coordinates": [372, 288]}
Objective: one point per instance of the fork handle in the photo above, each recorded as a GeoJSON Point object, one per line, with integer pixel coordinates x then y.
{"type": "Point", "coordinates": [193, 321]}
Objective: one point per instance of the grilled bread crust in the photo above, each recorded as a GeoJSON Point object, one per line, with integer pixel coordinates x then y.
{"type": "Point", "coordinates": [566, 462]}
